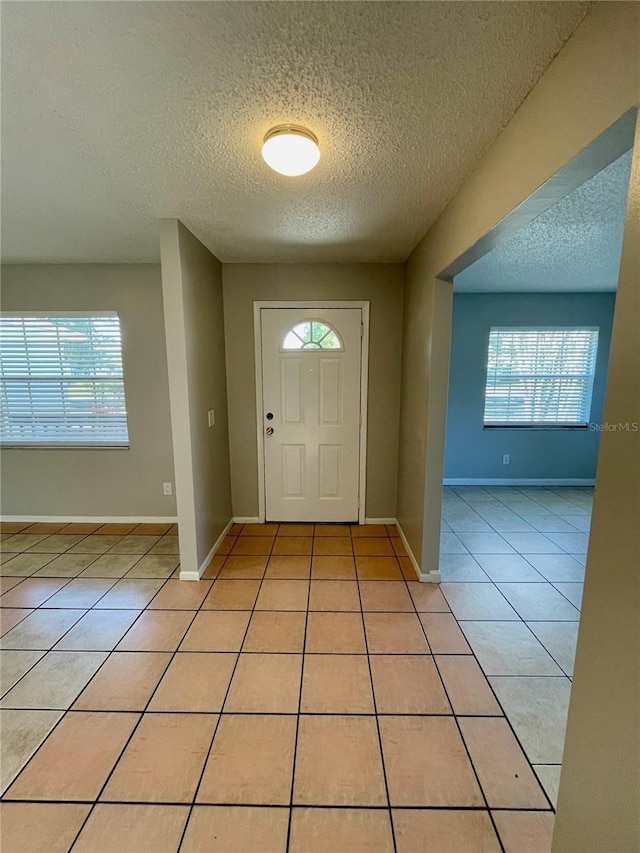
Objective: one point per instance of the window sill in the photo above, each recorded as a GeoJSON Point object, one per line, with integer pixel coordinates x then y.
{"type": "Point", "coordinates": [61, 446]}
{"type": "Point", "coordinates": [539, 427]}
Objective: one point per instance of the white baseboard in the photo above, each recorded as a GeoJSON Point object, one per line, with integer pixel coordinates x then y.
{"type": "Point", "coordinates": [246, 519]}
{"type": "Point", "coordinates": [95, 519]}
{"type": "Point", "coordinates": [195, 576]}
{"type": "Point", "coordinates": [379, 521]}
{"type": "Point", "coordinates": [517, 481]}
{"type": "Point", "coordinates": [189, 576]}
{"type": "Point", "coordinates": [423, 577]}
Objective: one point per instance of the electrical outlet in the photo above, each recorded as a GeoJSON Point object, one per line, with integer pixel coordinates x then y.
{"type": "Point", "coordinates": [212, 417]}
{"type": "Point", "coordinates": [167, 489]}
{"type": "Point", "coordinates": [505, 458]}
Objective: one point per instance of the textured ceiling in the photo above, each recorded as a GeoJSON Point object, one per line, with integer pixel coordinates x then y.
{"type": "Point", "coordinates": [117, 113]}
{"type": "Point", "coordinates": [573, 246]}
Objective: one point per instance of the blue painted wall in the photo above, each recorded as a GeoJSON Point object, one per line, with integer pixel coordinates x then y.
{"type": "Point", "coordinates": [473, 452]}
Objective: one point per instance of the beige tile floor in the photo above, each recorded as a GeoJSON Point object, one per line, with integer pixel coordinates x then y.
{"type": "Point", "coordinates": [306, 695]}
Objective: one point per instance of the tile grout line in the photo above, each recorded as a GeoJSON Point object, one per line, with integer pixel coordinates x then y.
{"type": "Point", "coordinates": [457, 724]}
{"type": "Point", "coordinates": [553, 584]}
{"type": "Point", "coordinates": [297, 732]}
{"type": "Point", "coordinates": [247, 652]}
{"type": "Point", "coordinates": [285, 713]}
{"type": "Point", "coordinates": [228, 804]}
{"type": "Point", "coordinates": [192, 804]}
{"type": "Point", "coordinates": [557, 663]}
{"type": "Point", "coordinates": [375, 710]}
{"type": "Point", "coordinates": [510, 724]}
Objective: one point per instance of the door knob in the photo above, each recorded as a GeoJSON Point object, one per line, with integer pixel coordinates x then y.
{"type": "Point", "coordinates": [269, 430]}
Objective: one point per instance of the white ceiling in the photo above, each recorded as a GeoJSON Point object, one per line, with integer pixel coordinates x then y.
{"type": "Point", "coordinates": [573, 246]}
{"type": "Point", "coordinates": [117, 113]}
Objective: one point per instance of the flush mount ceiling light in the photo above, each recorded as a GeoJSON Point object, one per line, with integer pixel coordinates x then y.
{"type": "Point", "coordinates": [290, 150]}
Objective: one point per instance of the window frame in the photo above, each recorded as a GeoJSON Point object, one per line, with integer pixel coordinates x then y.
{"type": "Point", "coordinates": [11, 444]}
{"type": "Point", "coordinates": [541, 425]}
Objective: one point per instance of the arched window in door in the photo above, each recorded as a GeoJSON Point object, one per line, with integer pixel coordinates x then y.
{"type": "Point", "coordinates": [312, 335]}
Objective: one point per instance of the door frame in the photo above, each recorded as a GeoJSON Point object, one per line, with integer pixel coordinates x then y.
{"type": "Point", "coordinates": [364, 390]}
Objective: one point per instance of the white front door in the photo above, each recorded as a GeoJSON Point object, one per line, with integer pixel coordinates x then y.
{"type": "Point", "coordinates": [311, 369]}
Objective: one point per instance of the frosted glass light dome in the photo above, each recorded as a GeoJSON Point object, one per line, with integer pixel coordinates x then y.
{"type": "Point", "coordinates": [290, 150]}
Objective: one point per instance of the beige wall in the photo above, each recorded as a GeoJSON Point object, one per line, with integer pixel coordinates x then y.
{"type": "Point", "coordinates": [381, 284]}
{"type": "Point", "coordinates": [194, 319]}
{"type": "Point", "coordinates": [94, 482]}
{"type": "Point", "coordinates": [599, 799]}
{"type": "Point", "coordinates": [590, 84]}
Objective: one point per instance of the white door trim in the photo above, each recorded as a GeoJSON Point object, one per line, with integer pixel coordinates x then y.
{"type": "Point", "coordinates": [364, 389]}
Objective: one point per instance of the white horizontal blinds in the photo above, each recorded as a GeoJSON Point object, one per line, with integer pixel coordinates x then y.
{"type": "Point", "coordinates": [61, 380]}
{"type": "Point", "coordinates": [540, 376]}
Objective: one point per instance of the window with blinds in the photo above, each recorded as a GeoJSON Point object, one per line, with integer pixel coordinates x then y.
{"type": "Point", "coordinates": [540, 377]}
{"type": "Point", "coordinates": [61, 380]}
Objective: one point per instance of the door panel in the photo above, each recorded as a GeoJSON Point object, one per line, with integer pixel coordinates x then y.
{"type": "Point", "coordinates": [293, 465]}
{"type": "Point", "coordinates": [329, 465]}
{"type": "Point", "coordinates": [312, 391]}
{"type": "Point", "coordinates": [291, 384]}
{"type": "Point", "coordinates": [331, 392]}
